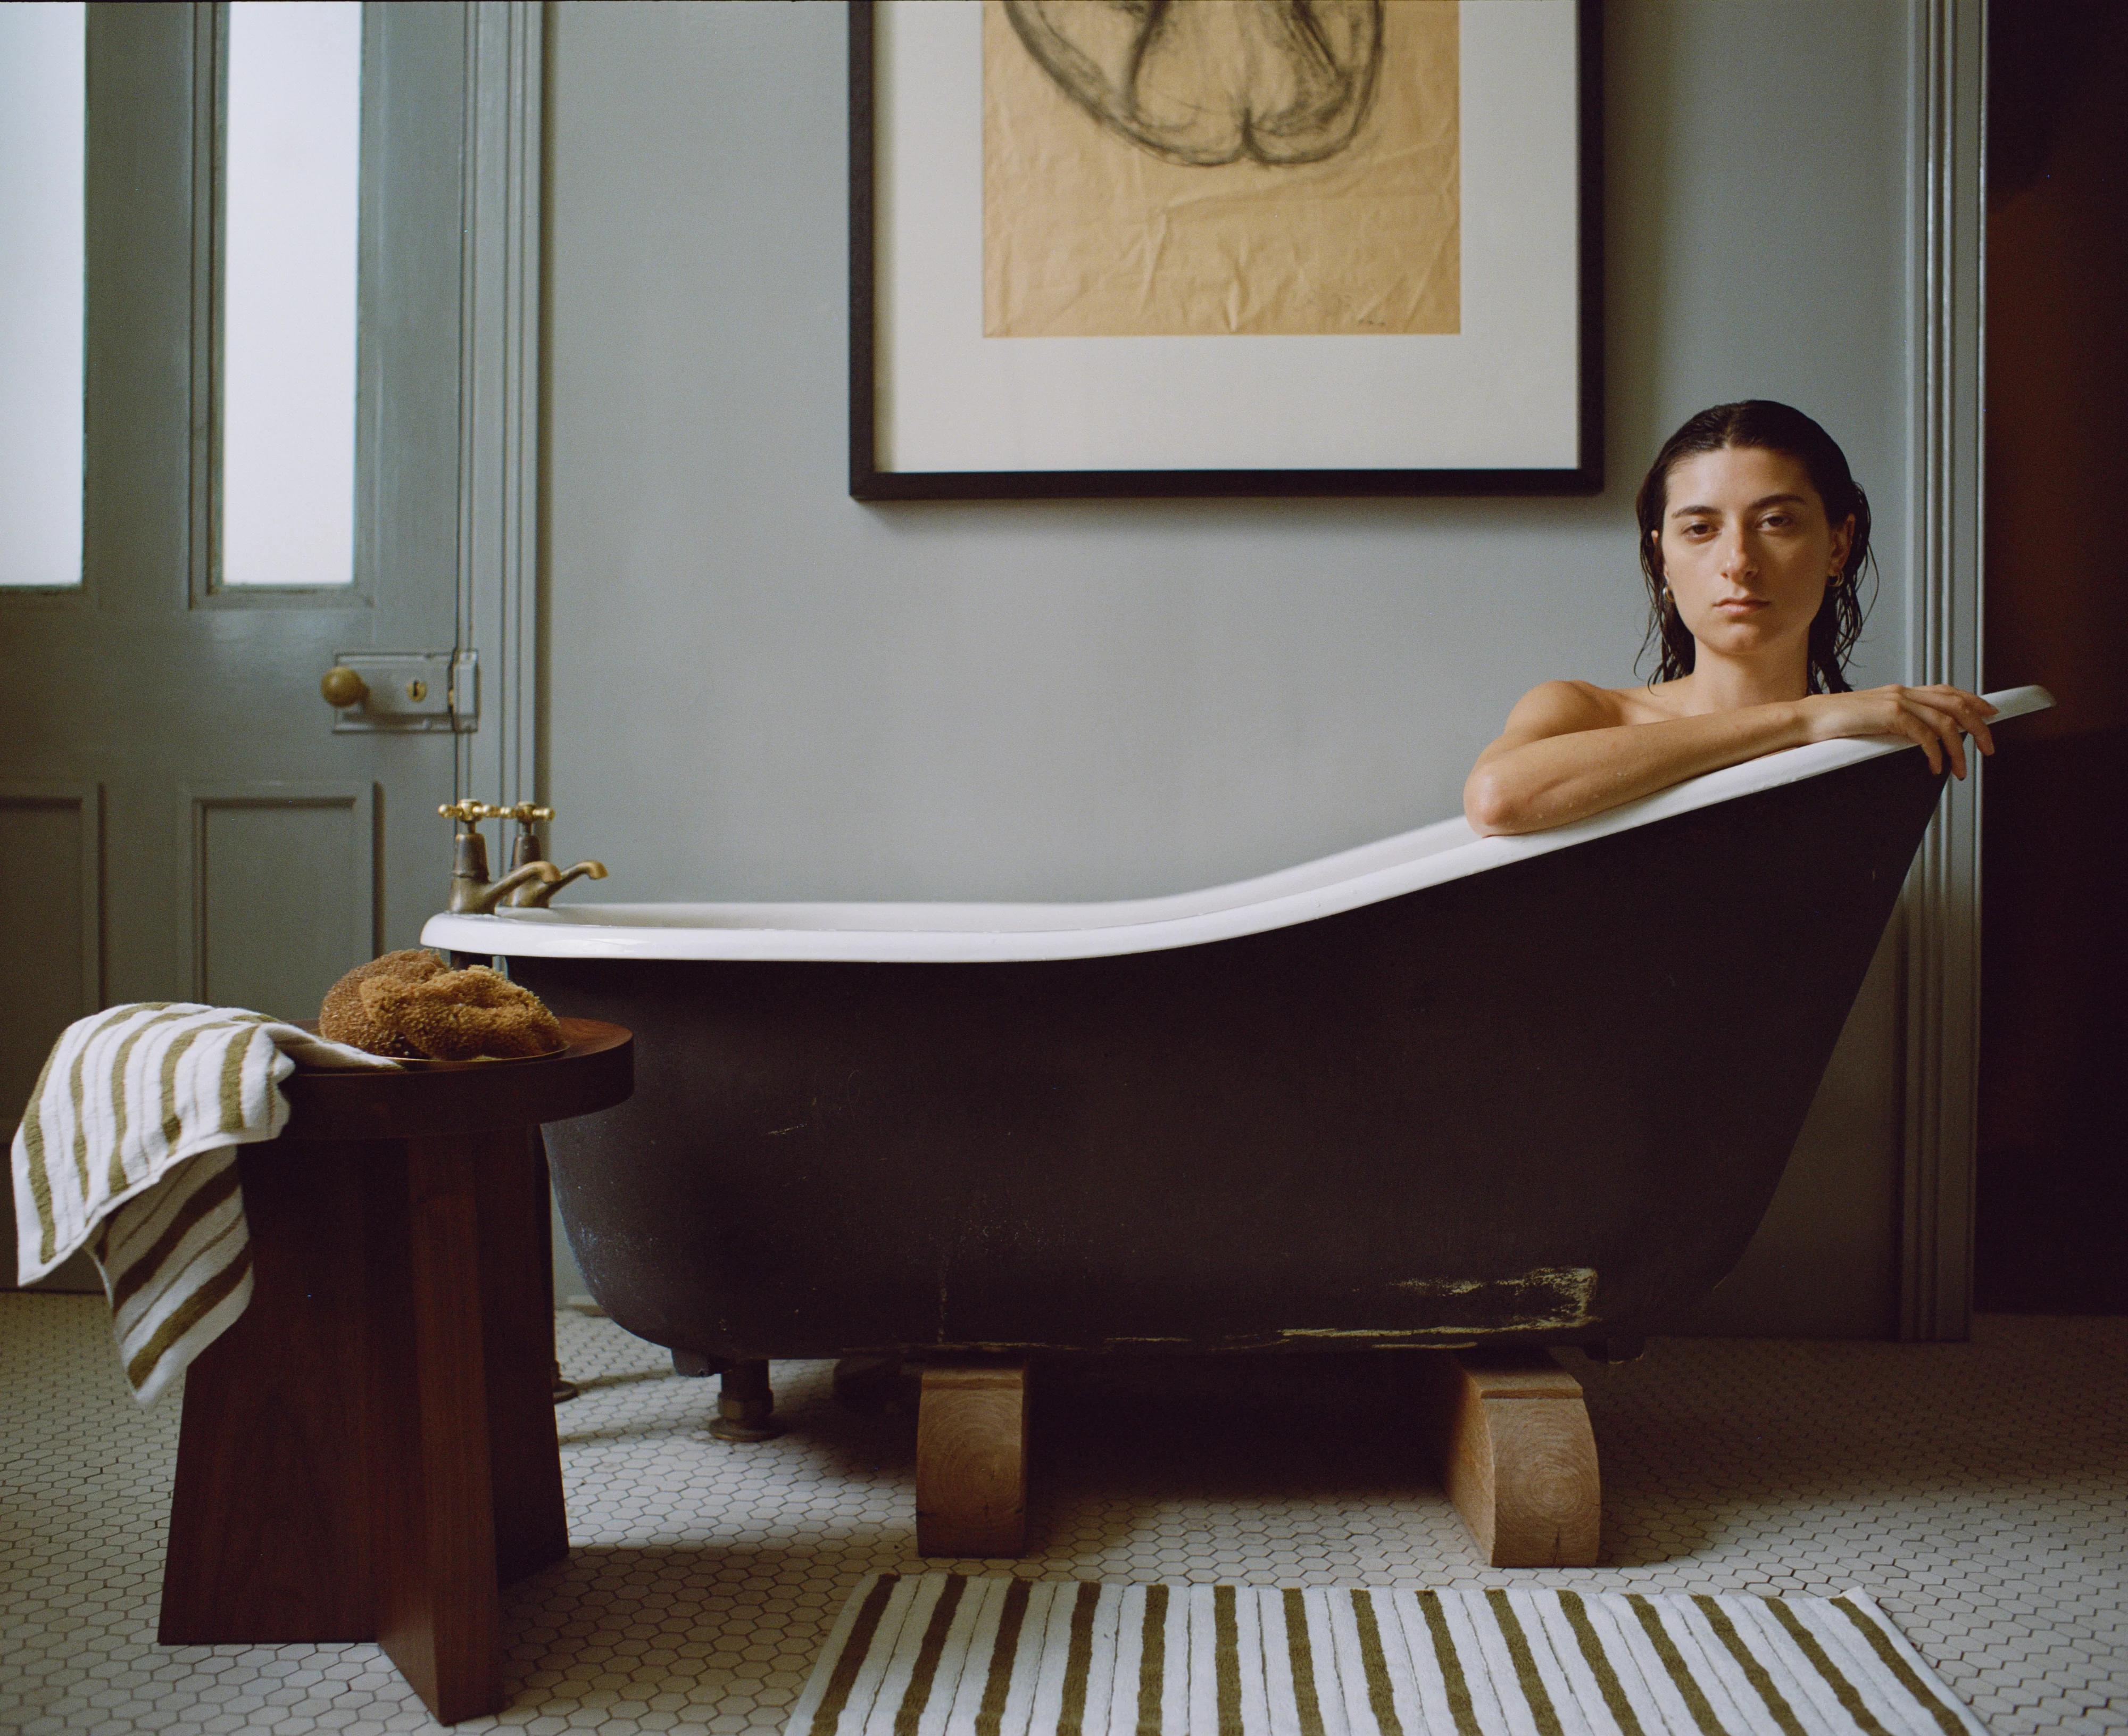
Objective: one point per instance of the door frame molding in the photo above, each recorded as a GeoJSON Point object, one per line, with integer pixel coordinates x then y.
{"type": "Point", "coordinates": [500, 398]}
{"type": "Point", "coordinates": [1946, 287]}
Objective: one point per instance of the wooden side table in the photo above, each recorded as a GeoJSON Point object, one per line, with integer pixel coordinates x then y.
{"type": "Point", "coordinates": [369, 1453]}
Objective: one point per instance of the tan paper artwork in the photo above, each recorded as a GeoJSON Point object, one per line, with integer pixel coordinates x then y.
{"type": "Point", "coordinates": [1207, 168]}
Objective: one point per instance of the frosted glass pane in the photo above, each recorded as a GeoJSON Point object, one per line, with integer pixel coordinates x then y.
{"type": "Point", "coordinates": [287, 382]}
{"type": "Point", "coordinates": [43, 78]}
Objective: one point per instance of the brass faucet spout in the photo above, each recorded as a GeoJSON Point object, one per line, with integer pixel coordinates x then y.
{"type": "Point", "coordinates": [530, 882]}
{"type": "Point", "coordinates": [471, 897]}
{"type": "Point", "coordinates": [536, 898]}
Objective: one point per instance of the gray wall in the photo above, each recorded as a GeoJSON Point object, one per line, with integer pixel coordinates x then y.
{"type": "Point", "coordinates": [757, 687]}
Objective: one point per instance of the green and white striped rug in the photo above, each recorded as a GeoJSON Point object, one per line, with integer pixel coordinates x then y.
{"type": "Point", "coordinates": [940, 1654]}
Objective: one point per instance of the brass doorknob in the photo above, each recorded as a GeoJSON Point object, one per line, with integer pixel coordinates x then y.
{"type": "Point", "coordinates": [343, 687]}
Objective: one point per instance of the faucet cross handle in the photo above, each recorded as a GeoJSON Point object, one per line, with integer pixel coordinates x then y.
{"type": "Point", "coordinates": [468, 813]}
{"type": "Point", "coordinates": [525, 813]}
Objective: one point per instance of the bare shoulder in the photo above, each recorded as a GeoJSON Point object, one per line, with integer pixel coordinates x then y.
{"type": "Point", "coordinates": [1655, 703]}
{"type": "Point", "coordinates": [1565, 708]}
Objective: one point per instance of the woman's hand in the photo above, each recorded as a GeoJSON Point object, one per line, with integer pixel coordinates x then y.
{"type": "Point", "coordinates": [1939, 717]}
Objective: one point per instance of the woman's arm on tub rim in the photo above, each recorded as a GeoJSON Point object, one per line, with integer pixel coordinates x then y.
{"type": "Point", "coordinates": [1571, 748]}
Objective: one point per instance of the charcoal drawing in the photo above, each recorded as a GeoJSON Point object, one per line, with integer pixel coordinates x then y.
{"type": "Point", "coordinates": [1278, 82]}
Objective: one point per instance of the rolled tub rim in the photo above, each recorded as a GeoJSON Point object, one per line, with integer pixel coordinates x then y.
{"type": "Point", "coordinates": [1002, 933]}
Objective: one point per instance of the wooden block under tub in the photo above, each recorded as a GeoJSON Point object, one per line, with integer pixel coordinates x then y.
{"type": "Point", "coordinates": [971, 1460]}
{"type": "Point", "coordinates": [1518, 1457]}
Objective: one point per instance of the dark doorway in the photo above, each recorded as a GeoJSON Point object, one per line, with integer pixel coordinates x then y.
{"type": "Point", "coordinates": [2053, 1208]}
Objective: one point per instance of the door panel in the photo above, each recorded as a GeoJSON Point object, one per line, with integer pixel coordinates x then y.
{"type": "Point", "coordinates": [284, 889]}
{"type": "Point", "coordinates": [51, 966]}
{"type": "Point", "coordinates": [48, 924]}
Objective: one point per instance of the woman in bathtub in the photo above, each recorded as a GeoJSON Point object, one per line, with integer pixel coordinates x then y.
{"type": "Point", "coordinates": [1753, 537]}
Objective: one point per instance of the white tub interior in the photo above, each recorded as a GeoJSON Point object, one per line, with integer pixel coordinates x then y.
{"type": "Point", "coordinates": [979, 932]}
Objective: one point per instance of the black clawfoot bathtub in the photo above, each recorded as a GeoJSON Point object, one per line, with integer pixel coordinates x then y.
{"type": "Point", "coordinates": [1437, 1092]}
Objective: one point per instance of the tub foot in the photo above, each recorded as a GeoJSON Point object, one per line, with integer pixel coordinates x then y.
{"type": "Point", "coordinates": [971, 1460]}
{"type": "Point", "coordinates": [1518, 1457]}
{"type": "Point", "coordinates": [746, 1408]}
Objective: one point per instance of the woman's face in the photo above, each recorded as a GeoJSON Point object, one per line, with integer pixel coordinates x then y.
{"type": "Point", "coordinates": [1746, 550]}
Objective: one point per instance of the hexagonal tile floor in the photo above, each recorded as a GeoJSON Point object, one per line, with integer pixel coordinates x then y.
{"type": "Point", "coordinates": [1977, 1490]}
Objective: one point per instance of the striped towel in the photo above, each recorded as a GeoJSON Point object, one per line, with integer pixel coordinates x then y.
{"type": "Point", "coordinates": [128, 1147]}
{"type": "Point", "coordinates": [941, 1655]}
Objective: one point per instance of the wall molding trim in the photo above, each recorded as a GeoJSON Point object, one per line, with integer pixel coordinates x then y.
{"type": "Point", "coordinates": [1947, 288]}
{"type": "Point", "coordinates": [499, 394]}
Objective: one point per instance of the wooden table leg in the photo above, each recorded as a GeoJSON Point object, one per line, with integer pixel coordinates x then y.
{"type": "Point", "coordinates": [517, 1317]}
{"type": "Point", "coordinates": [370, 1451]}
{"type": "Point", "coordinates": [1517, 1456]}
{"type": "Point", "coordinates": [431, 1492]}
{"type": "Point", "coordinates": [971, 1460]}
{"type": "Point", "coordinates": [269, 1539]}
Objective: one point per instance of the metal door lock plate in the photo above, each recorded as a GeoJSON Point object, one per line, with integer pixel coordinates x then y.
{"type": "Point", "coordinates": [410, 692]}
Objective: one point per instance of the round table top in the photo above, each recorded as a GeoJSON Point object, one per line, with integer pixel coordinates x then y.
{"type": "Point", "coordinates": [596, 1071]}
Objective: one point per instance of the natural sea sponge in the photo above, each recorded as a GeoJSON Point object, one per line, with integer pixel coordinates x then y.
{"type": "Point", "coordinates": [413, 1006]}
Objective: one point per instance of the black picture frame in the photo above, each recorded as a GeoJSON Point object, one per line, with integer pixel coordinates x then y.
{"type": "Point", "coordinates": [869, 483]}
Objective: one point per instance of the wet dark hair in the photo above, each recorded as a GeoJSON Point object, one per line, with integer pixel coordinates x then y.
{"type": "Point", "coordinates": [1769, 427]}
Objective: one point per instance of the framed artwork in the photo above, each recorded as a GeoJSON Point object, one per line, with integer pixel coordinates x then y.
{"type": "Point", "coordinates": [1224, 247]}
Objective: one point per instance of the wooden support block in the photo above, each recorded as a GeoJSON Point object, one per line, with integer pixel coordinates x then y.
{"type": "Point", "coordinates": [971, 1460]}
{"type": "Point", "coordinates": [1518, 1457]}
